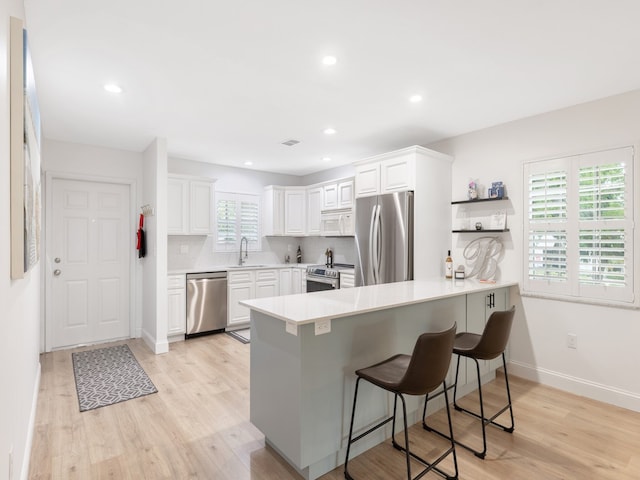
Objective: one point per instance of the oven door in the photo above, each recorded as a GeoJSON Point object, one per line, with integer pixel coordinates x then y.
{"type": "Point", "coordinates": [317, 283]}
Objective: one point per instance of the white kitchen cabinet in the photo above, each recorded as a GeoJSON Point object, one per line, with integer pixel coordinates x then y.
{"type": "Point", "coordinates": [176, 306]}
{"type": "Point", "coordinates": [266, 283]}
{"type": "Point", "coordinates": [345, 194]}
{"type": "Point", "coordinates": [296, 280]}
{"type": "Point", "coordinates": [189, 206]}
{"type": "Point", "coordinates": [367, 180]}
{"type": "Point", "coordinates": [338, 195]}
{"type": "Point", "coordinates": [314, 210]}
{"type": "Point", "coordinates": [397, 174]}
{"type": "Point", "coordinates": [177, 206]}
{"type": "Point", "coordinates": [295, 211]}
{"type": "Point", "coordinates": [273, 211]}
{"type": "Point", "coordinates": [393, 172]}
{"type": "Point", "coordinates": [246, 285]}
{"type": "Point", "coordinates": [240, 286]}
{"type": "Point", "coordinates": [347, 280]}
{"type": "Point", "coordinates": [285, 281]}
{"type": "Point", "coordinates": [293, 280]}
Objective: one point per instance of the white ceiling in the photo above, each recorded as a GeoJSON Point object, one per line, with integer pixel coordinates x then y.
{"type": "Point", "coordinates": [227, 81]}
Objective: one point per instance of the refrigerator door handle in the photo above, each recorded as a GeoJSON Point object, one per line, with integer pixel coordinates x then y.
{"type": "Point", "coordinates": [376, 252]}
{"type": "Point", "coordinates": [371, 266]}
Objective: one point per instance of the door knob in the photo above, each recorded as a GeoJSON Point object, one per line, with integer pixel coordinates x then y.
{"type": "Point", "coordinates": [57, 259]}
{"type": "Point", "coordinates": [57, 272]}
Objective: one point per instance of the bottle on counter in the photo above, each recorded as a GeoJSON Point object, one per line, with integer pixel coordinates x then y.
{"type": "Point", "coordinates": [299, 255]}
{"type": "Point", "coordinates": [448, 266]}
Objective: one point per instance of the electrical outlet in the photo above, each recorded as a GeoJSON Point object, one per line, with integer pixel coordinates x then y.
{"type": "Point", "coordinates": [322, 327]}
{"type": "Point", "coordinates": [572, 340]}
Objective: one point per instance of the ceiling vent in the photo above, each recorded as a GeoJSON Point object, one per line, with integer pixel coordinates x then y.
{"type": "Point", "coordinates": [290, 143]}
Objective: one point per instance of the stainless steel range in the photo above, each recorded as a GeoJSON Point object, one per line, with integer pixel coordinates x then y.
{"type": "Point", "coordinates": [322, 277]}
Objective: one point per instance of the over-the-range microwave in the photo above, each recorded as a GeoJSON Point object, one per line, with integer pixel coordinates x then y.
{"type": "Point", "coordinates": [335, 223]}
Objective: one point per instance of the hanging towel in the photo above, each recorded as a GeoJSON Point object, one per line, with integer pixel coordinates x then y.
{"type": "Point", "coordinates": [141, 245]}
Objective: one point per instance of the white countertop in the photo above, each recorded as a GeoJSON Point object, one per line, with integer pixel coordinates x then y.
{"type": "Point", "coordinates": [233, 268]}
{"type": "Point", "coordinates": [311, 307]}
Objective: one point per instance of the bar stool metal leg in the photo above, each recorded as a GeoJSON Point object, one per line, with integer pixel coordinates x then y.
{"type": "Point", "coordinates": [483, 420]}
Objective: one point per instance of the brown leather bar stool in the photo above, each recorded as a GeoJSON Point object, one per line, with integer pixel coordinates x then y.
{"type": "Point", "coordinates": [487, 346]}
{"type": "Point", "coordinates": [418, 374]}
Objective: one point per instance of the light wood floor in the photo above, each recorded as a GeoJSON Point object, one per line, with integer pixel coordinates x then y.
{"type": "Point", "coordinates": [197, 426]}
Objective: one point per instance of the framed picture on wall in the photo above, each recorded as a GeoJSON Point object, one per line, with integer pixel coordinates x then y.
{"type": "Point", "coordinates": [26, 203]}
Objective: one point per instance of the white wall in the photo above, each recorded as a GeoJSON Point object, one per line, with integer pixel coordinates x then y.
{"type": "Point", "coordinates": [154, 264]}
{"type": "Point", "coordinates": [603, 365]}
{"type": "Point", "coordinates": [20, 301]}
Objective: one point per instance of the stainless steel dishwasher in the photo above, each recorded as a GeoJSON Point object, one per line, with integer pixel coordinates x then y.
{"type": "Point", "coordinates": [206, 303]}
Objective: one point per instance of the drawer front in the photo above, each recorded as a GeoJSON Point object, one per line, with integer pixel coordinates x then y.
{"type": "Point", "coordinates": [176, 281]}
{"type": "Point", "coordinates": [266, 275]}
{"type": "Point", "coordinates": [240, 277]}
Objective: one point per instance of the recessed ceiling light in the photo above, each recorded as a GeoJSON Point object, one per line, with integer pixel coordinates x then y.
{"type": "Point", "coordinates": [329, 60]}
{"type": "Point", "coordinates": [415, 98]}
{"type": "Point", "coordinates": [248, 163]}
{"type": "Point", "coordinates": [113, 88]}
{"type": "Point", "coordinates": [329, 131]}
{"type": "Point", "coordinates": [326, 159]}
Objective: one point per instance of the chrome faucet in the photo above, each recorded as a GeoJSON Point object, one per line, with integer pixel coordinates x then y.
{"type": "Point", "coordinates": [246, 250]}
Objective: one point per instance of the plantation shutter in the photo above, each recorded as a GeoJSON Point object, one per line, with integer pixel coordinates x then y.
{"type": "Point", "coordinates": [605, 239]}
{"type": "Point", "coordinates": [546, 226]}
{"type": "Point", "coordinates": [237, 216]}
{"type": "Point", "coordinates": [579, 226]}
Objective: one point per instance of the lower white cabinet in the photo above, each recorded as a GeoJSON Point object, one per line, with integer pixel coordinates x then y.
{"type": "Point", "coordinates": [266, 283]}
{"type": "Point", "coordinates": [347, 280]}
{"type": "Point", "coordinates": [176, 305]}
{"type": "Point", "coordinates": [240, 286]}
{"type": "Point", "coordinates": [293, 280]}
{"type": "Point", "coordinates": [245, 285]}
{"type": "Point", "coordinates": [285, 281]}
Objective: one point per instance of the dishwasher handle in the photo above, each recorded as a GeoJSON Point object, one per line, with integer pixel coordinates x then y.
{"type": "Point", "coordinates": [198, 276]}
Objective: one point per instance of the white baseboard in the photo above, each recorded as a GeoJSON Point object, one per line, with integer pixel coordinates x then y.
{"type": "Point", "coordinates": [155, 346]}
{"type": "Point", "coordinates": [24, 474]}
{"type": "Point", "coordinates": [578, 386]}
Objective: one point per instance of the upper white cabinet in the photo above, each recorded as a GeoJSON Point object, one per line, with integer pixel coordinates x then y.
{"type": "Point", "coordinates": [367, 179]}
{"type": "Point", "coordinates": [273, 211]}
{"type": "Point", "coordinates": [338, 195]}
{"type": "Point", "coordinates": [189, 206]}
{"type": "Point", "coordinates": [384, 174]}
{"type": "Point", "coordinates": [284, 211]}
{"type": "Point", "coordinates": [314, 209]}
{"type": "Point", "coordinates": [295, 211]}
{"type": "Point", "coordinates": [345, 194]}
{"type": "Point", "coordinates": [300, 211]}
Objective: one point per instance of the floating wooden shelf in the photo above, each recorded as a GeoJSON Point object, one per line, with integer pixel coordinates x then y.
{"type": "Point", "coordinates": [480, 200]}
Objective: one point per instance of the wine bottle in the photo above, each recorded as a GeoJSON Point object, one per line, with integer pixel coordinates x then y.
{"type": "Point", "coordinates": [448, 266]}
{"type": "Point", "coordinates": [299, 255]}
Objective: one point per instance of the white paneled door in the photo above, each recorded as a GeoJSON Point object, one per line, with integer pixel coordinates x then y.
{"type": "Point", "coordinates": [90, 249]}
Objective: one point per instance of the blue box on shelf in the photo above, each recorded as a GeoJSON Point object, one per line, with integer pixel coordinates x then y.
{"type": "Point", "coordinates": [496, 190]}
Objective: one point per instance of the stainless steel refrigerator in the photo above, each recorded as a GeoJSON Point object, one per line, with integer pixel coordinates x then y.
{"type": "Point", "coordinates": [384, 238]}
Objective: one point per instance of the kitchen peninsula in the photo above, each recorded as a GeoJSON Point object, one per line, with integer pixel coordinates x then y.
{"type": "Point", "coordinates": [305, 349]}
